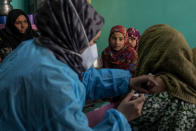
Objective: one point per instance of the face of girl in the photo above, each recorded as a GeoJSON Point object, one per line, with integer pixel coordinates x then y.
{"type": "Point", "coordinates": [21, 23]}
{"type": "Point", "coordinates": [117, 41]}
{"type": "Point", "coordinates": [132, 41]}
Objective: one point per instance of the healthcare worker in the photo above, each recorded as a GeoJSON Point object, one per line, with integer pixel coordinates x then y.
{"type": "Point", "coordinates": [44, 82]}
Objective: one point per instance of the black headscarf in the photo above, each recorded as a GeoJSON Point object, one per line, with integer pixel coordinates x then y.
{"type": "Point", "coordinates": [61, 24]}
{"type": "Point", "coordinates": [11, 35]}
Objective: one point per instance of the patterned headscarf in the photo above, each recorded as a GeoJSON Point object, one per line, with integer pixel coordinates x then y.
{"type": "Point", "coordinates": [132, 32]}
{"type": "Point", "coordinates": [118, 28]}
{"type": "Point", "coordinates": [126, 58]}
{"type": "Point", "coordinates": [164, 51]}
{"type": "Point", "coordinates": [66, 27]}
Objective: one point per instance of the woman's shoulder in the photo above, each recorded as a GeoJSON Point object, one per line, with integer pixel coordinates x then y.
{"type": "Point", "coordinates": [3, 34]}
{"type": "Point", "coordinates": [5, 47]}
{"type": "Point", "coordinates": [40, 60]}
{"type": "Point", "coordinates": [34, 33]}
{"type": "Point", "coordinates": [1, 38]}
{"type": "Point", "coordinates": [6, 37]}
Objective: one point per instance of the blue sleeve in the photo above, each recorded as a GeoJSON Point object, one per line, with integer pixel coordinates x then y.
{"type": "Point", "coordinates": [119, 122]}
{"type": "Point", "coordinates": [46, 95]}
{"type": "Point", "coordinates": [61, 103]}
{"type": "Point", "coordinates": [105, 83]}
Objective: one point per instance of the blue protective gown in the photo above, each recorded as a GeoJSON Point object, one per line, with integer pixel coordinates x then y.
{"type": "Point", "coordinates": [39, 92]}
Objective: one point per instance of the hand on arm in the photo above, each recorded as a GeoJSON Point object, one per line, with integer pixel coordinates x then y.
{"type": "Point", "coordinates": [161, 87]}
{"type": "Point", "coordinates": [148, 84]}
{"type": "Point", "coordinates": [139, 83]}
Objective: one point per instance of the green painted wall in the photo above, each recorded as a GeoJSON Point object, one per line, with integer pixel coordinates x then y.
{"type": "Point", "coordinates": [20, 4]}
{"type": "Point", "coordinates": [141, 14]}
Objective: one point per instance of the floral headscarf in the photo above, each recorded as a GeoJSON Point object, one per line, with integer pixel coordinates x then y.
{"type": "Point", "coordinates": [132, 32]}
{"type": "Point", "coordinates": [118, 28]}
{"type": "Point", "coordinates": [126, 58]}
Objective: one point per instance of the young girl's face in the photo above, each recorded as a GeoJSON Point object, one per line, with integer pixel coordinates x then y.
{"type": "Point", "coordinates": [117, 41]}
{"type": "Point", "coordinates": [132, 41]}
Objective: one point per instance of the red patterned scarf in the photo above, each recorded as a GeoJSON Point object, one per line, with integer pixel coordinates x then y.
{"type": "Point", "coordinates": [125, 58]}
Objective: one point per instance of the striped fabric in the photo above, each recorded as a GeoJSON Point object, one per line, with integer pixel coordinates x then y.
{"type": "Point", "coordinates": [61, 24]}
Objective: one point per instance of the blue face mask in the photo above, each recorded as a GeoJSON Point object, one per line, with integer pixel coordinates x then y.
{"type": "Point", "coordinates": [89, 56]}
